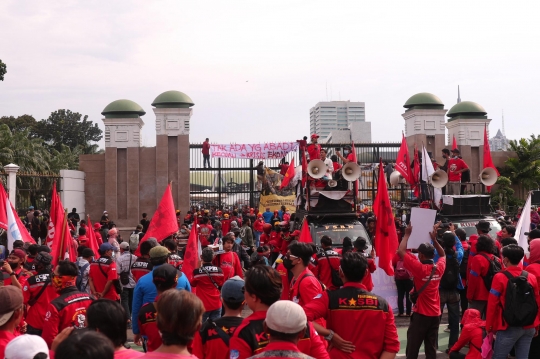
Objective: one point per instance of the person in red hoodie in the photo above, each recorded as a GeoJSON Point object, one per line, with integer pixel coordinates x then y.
{"type": "Point", "coordinates": [97, 233]}
{"type": "Point", "coordinates": [517, 334]}
{"type": "Point", "coordinates": [83, 239]}
{"type": "Point", "coordinates": [327, 261]}
{"type": "Point", "coordinates": [534, 268]}
{"type": "Point", "coordinates": [265, 236]}
{"type": "Point", "coordinates": [262, 289]}
{"type": "Point", "coordinates": [360, 245]}
{"type": "Point", "coordinates": [471, 334]}
{"type": "Point", "coordinates": [258, 225]}
{"type": "Point", "coordinates": [477, 291]}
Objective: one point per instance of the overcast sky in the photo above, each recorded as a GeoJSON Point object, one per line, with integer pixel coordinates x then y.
{"type": "Point", "coordinates": [254, 68]}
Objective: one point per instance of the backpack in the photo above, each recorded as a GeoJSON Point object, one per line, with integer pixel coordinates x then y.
{"type": "Point", "coordinates": [464, 263]}
{"type": "Point", "coordinates": [520, 308]}
{"type": "Point", "coordinates": [450, 277]}
{"type": "Point", "coordinates": [336, 279]}
{"type": "Point", "coordinates": [494, 268]}
{"type": "Point", "coordinates": [80, 275]}
{"type": "Point", "coordinates": [401, 273]}
{"type": "Point", "coordinates": [133, 241]}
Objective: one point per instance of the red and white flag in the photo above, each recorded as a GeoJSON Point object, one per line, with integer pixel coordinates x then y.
{"type": "Point", "coordinates": [62, 242]}
{"type": "Point", "coordinates": [403, 162]}
{"type": "Point", "coordinates": [10, 221]}
{"type": "Point", "coordinates": [289, 175]}
{"type": "Point", "coordinates": [191, 254]}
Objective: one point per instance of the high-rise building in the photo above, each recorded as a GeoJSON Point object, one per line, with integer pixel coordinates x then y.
{"type": "Point", "coordinates": [326, 117]}
{"type": "Point", "coordinates": [499, 142]}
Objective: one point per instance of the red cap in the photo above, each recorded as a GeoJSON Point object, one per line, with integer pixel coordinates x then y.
{"type": "Point", "coordinates": [314, 135]}
{"type": "Point", "coordinates": [97, 226]}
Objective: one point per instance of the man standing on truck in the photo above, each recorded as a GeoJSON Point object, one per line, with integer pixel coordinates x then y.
{"type": "Point", "coordinates": [314, 149]}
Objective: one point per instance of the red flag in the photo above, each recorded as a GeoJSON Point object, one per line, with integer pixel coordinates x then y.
{"type": "Point", "coordinates": [52, 220]}
{"type": "Point", "coordinates": [403, 161]}
{"type": "Point", "coordinates": [416, 173]}
{"type": "Point", "coordinates": [3, 211]}
{"type": "Point", "coordinates": [92, 240]}
{"type": "Point", "coordinates": [488, 162]}
{"type": "Point", "coordinates": [288, 176]}
{"type": "Point", "coordinates": [304, 168]}
{"type": "Point", "coordinates": [454, 142]}
{"type": "Point", "coordinates": [10, 221]}
{"type": "Point", "coordinates": [386, 241]}
{"type": "Point", "coordinates": [62, 246]}
{"type": "Point", "coordinates": [163, 223]}
{"type": "Point", "coordinates": [191, 253]}
{"type": "Point", "coordinates": [305, 234]}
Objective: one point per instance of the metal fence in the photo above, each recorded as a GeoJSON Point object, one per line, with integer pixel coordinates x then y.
{"type": "Point", "coordinates": [35, 189]}
{"type": "Point", "coordinates": [233, 183]}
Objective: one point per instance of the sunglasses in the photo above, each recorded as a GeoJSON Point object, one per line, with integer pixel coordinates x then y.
{"type": "Point", "coordinates": [291, 256]}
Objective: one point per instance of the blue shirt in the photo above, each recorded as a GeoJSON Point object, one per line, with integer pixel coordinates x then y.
{"type": "Point", "coordinates": [267, 216]}
{"type": "Point", "coordinates": [459, 256]}
{"type": "Point", "coordinates": [146, 292]}
{"type": "Point", "coordinates": [280, 214]}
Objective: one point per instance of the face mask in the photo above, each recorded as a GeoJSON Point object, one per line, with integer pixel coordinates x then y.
{"type": "Point", "coordinates": [346, 152]}
{"type": "Point", "coordinates": [183, 231]}
{"type": "Point", "coordinates": [62, 282]}
{"type": "Point", "coordinates": [287, 263]}
{"type": "Point", "coordinates": [13, 265]}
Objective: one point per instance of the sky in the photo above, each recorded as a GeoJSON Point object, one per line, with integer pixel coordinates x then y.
{"type": "Point", "coordinates": [255, 68]}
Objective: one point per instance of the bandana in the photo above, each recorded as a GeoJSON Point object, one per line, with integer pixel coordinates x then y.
{"type": "Point", "coordinates": [62, 282]}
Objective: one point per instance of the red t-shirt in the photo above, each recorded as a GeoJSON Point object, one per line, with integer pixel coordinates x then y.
{"type": "Point", "coordinates": [204, 279]}
{"type": "Point", "coordinates": [455, 164]}
{"type": "Point", "coordinates": [148, 326]}
{"type": "Point", "coordinates": [303, 289]}
{"type": "Point", "coordinates": [479, 266]}
{"type": "Point", "coordinates": [34, 285]}
{"type": "Point", "coordinates": [5, 338]}
{"type": "Point", "coordinates": [337, 166]}
{"type": "Point", "coordinates": [205, 148]}
{"type": "Point", "coordinates": [102, 271]}
{"type": "Point", "coordinates": [368, 281]}
{"type": "Point", "coordinates": [229, 264]}
{"type": "Point", "coordinates": [323, 271]}
{"type": "Point", "coordinates": [258, 225]}
{"type": "Point", "coordinates": [314, 151]}
{"type": "Point", "coordinates": [497, 298]}
{"type": "Point", "coordinates": [355, 315]}
{"type": "Point", "coordinates": [428, 302]}
{"type": "Point", "coordinates": [127, 354]}
{"type": "Point", "coordinates": [204, 233]}
{"type": "Point", "coordinates": [207, 344]}
{"type": "Point", "coordinates": [141, 267]}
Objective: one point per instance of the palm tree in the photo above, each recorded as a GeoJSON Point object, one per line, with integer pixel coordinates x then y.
{"type": "Point", "coordinates": [525, 169]}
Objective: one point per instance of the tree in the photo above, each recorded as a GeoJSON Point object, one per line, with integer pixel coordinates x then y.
{"type": "Point", "coordinates": [3, 70]}
{"type": "Point", "coordinates": [21, 123]}
{"type": "Point", "coordinates": [64, 127]}
{"type": "Point", "coordinates": [525, 169]}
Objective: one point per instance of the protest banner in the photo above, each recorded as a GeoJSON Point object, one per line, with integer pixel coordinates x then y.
{"type": "Point", "coordinates": [274, 202]}
{"type": "Point", "coordinates": [258, 151]}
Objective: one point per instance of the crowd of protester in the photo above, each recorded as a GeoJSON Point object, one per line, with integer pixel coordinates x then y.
{"type": "Point", "coordinates": [306, 301]}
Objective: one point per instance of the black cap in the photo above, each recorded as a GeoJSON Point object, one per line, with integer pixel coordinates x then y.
{"type": "Point", "coordinates": [483, 225]}
{"type": "Point", "coordinates": [427, 249]}
{"type": "Point", "coordinates": [535, 233]}
{"type": "Point", "coordinates": [44, 258]}
{"type": "Point", "coordinates": [166, 275]}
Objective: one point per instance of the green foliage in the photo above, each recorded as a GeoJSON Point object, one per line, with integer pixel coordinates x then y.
{"type": "Point", "coordinates": [21, 123]}
{"type": "Point", "coordinates": [3, 70]}
{"type": "Point", "coordinates": [503, 197]}
{"type": "Point", "coordinates": [525, 169]}
{"type": "Point", "coordinates": [65, 128]}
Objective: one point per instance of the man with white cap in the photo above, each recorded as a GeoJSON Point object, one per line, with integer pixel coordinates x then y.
{"type": "Point", "coordinates": [11, 312]}
{"type": "Point", "coordinates": [27, 346]}
{"type": "Point", "coordinates": [285, 325]}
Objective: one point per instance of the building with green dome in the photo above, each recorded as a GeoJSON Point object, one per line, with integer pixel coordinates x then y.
{"type": "Point", "coordinates": [173, 111]}
{"type": "Point", "coordinates": [123, 124]}
{"type": "Point", "coordinates": [466, 122]}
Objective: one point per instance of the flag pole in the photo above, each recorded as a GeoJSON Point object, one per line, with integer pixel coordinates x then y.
{"type": "Point", "coordinates": [61, 253]}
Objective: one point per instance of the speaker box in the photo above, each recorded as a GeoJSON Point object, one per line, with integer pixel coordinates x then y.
{"type": "Point", "coordinates": [535, 198]}
{"type": "Point", "coordinates": [466, 205]}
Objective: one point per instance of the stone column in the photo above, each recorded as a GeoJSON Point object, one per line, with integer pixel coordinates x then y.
{"type": "Point", "coordinates": [12, 170]}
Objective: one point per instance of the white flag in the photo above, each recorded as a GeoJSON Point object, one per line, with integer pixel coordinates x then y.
{"type": "Point", "coordinates": [427, 165]}
{"type": "Point", "coordinates": [13, 232]}
{"type": "Point", "coordinates": [524, 225]}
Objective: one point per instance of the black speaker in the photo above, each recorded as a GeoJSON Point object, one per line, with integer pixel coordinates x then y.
{"type": "Point", "coordinates": [535, 198]}
{"type": "Point", "coordinates": [467, 205]}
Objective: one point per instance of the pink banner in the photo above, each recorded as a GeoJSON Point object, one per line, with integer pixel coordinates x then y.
{"type": "Point", "coordinates": [259, 151]}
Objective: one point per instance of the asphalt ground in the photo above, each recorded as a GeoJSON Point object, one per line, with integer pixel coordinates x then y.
{"type": "Point", "coordinates": [402, 324]}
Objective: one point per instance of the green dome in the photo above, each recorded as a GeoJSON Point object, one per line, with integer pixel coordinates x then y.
{"type": "Point", "coordinates": [468, 108]}
{"type": "Point", "coordinates": [123, 109]}
{"type": "Point", "coordinates": [423, 99]}
{"type": "Point", "coordinates": [173, 99]}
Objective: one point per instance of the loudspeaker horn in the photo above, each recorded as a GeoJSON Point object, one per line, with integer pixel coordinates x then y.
{"type": "Point", "coordinates": [316, 169]}
{"type": "Point", "coordinates": [488, 176]}
{"type": "Point", "coordinates": [396, 178]}
{"type": "Point", "coordinates": [439, 179]}
{"type": "Point", "coordinates": [332, 183]}
{"type": "Point", "coordinates": [351, 171]}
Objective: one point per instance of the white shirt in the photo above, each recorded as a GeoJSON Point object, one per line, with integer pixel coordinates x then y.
{"type": "Point", "coordinates": [329, 167]}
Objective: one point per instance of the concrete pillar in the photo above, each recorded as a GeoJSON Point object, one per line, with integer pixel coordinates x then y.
{"type": "Point", "coordinates": [12, 170]}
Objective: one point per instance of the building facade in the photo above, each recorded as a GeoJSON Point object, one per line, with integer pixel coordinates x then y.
{"type": "Point", "coordinates": [499, 142]}
{"type": "Point", "coordinates": [326, 117]}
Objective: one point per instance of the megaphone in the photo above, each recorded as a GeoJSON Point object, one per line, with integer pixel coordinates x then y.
{"type": "Point", "coordinates": [351, 171]}
{"type": "Point", "coordinates": [439, 179]}
{"type": "Point", "coordinates": [316, 169]}
{"type": "Point", "coordinates": [396, 178]}
{"type": "Point", "coordinates": [488, 176]}
{"type": "Point", "coordinates": [332, 183]}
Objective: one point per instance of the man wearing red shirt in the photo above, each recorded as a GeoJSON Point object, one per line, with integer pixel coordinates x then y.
{"type": "Point", "coordinates": [314, 149]}
{"type": "Point", "coordinates": [262, 289]}
{"type": "Point", "coordinates": [208, 279]}
{"type": "Point", "coordinates": [285, 325]}
{"type": "Point", "coordinates": [360, 246]}
{"type": "Point", "coordinates": [83, 239]}
{"type": "Point", "coordinates": [456, 166]}
{"type": "Point", "coordinates": [349, 156]}
{"type": "Point", "coordinates": [258, 225]}
{"type": "Point", "coordinates": [534, 269]}
{"type": "Point", "coordinates": [477, 291]}
{"type": "Point", "coordinates": [204, 231]}
{"type": "Point", "coordinates": [212, 341]}
{"type": "Point", "coordinates": [69, 309]}
{"type": "Point", "coordinates": [356, 315]}
{"type": "Point", "coordinates": [327, 262]}
{"type": "Point", "coordinates": [519, 337]}
{"type": "Point", "coordinates": [13, 272]}
{"type": "Point", "coordinates": [38, 293]}
{"type": "Point", "coordinates": [142, 265]}
{"type": "Point", "coordinates": [11, 313]}
{"type": "Point", "coordinates": [304, 285]}
{"type": "Point", "coordinates": [228, 261]}
{"type": "Point", "coordinates": [164, 277]}
{"type": "Point", "coordinates": [206, 153]}
{"type": "Point", "coordinates": [424, 325]}
{"type": "Point", "coordinates": [103, 273]}
{"type": "Point", "coordinates": [97, 229]}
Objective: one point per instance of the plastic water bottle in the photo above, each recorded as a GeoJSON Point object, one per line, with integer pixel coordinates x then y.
{"type": "Point", "coordinates": [220, 244]}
